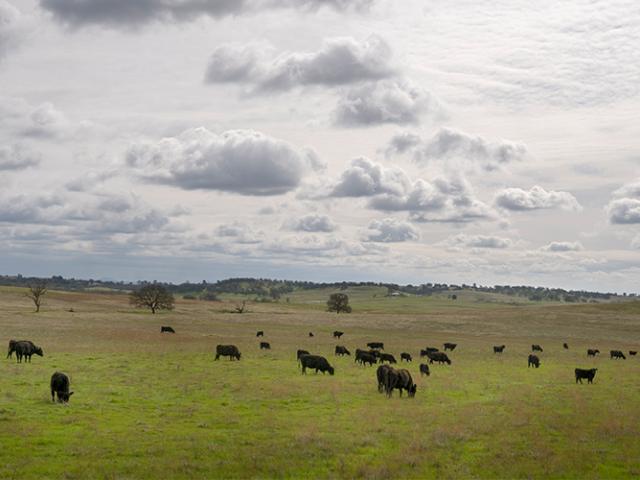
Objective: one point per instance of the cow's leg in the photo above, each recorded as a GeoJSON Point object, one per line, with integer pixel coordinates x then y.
{"type": "Point", "coordinates": [53, 399]}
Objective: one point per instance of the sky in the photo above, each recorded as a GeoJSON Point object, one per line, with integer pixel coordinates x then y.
{"type": "Point", "coordinates": [488, 142]}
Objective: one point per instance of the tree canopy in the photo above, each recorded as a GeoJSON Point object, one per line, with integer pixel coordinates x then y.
{"type": "Point", "coordinates": [153, 296]}
{"type": "Point", "coordinates": [339, 303]}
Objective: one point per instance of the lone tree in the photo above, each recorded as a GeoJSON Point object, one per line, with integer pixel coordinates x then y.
{"type": "Point", "coordinates": [153, 296]}
{"type": "Point", "coordinates": [36, 292]}
{"type": "Point", "coordinates": [338, 302]}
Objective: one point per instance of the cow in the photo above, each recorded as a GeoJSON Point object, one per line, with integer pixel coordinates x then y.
{"type": "Point", "coordinates": [387, 357]}
{"type": "Point", "coordinates": [25, 348]}
{"type": "Point", "coordinates": [317, 363]}
{"type": "Point", "coordinates": [588, 374]}
{"type": "Point", "coordinates": [533, 361]}
{"type": "Point", "coordinates": [310, 334]}
{"type": "Point", "coordinates": [536, 348]}
{"type": "Point", "coordinates": [265, 346]}
{"type": "Point", "coordinates": [337, 334]}
{"type": "Point", "coordinates": [439, 357]}
{"type": "Point", "coordinates": [60, 387]}
{"type": "Point", "coordinates": [299, 353]}
{"type": "Point", "coordinates": [498, 349]}
{"type": "Point", "coordinates": [381, 374]}
{"type": "Point", "coordinates": [260, 333]}
{"type": "Point", "coordinates": [617, 354]}
{"type": "Point", "coordinates": [425, 353]}
{"type": "Point", "coordinates": [365, 357]}
{"type": "Point", "coordinates": [340, 350]}
{"type": "Point", "coordinates": [424, 369]}
{"type": "Point", "coordinates": [450, 346]}
{"type": "Point", "coordinates": [406, 357]}
{"type": "Point", "coordinates": [230, 351]}
{"type": "Point", "coordinates": [400, 379]}
{"type": "Point", "coordinates": [375, 353]}
{"type": "Point", "coordinates": [592, 352]}
{"type": "Point", "coordinates": [12, 346]}
{"type": "Point", "coordinates": [633, 353]}
{"type": "Point", "coordinates": [379, 345]}
{"type": "Point", "coordinates": [565, 346]}
{"type": "Point", "coordinates": [167, 330]}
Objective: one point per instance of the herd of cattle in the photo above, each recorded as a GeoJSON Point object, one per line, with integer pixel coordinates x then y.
{"type": "Point", "coordinates": [388, 378]}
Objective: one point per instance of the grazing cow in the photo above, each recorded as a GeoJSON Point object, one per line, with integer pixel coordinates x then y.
{"type": "Point", "coordinates": [387, 357]}
{"type": "Point", "coordinates": [342, 351]}
{"type": "Point", "coordinates": [588, 374]}
{"type": "Point", "coordinates": [317, 363]}
{"type": "Point", "coordinates": [498, 349]}
{"type": "Point", "coordinates": [533, 361]}
{"type": "Point", "coordinates": [592, 352]}
{"type": "Point", "coordinates": [25, 348]}
{"type": "Point", "coordinates": [260, 333]}
{"type": "Point", "coordinates": [381, 373]}
{"type": "Point", "coordinates": [375, 353]}
{"type": "Point", "coordinates": [167, 330]}
{"type": "Point", "coordinates": [379, 345]}
{"type": "Point", "coordinates": [427, 351]}
{"type": "Point", "coordinates": [565, 346]}
{"type": "Point", "coordinates": [365, 357]}
{"type": "Point", "coordinates": [230, 351]}
{"type": "Point", "coordinates": [450, 346]}
{"type": "Point", "coordinates": [617, 354]}
{"type": "Point", "coordinates": [424, 369]}
{"type": "Point", "coordinates": [300, 353]}
{"type": "Point", "coordinates": [536, 348]}
{"type": "Point", "coordinates": [265, 346]}
{"type": "Point", "coordinates": [439, 357]}
{"type": "Point", "coordinates": [12, 346]}
{"type": "Point", "coordinates": [400, 379]}
{"type": "Point", "coordinates": [633, 353]}
{"type": "Point", "coordinates": [60, 387]}
{"type": "Point", "coordinates": [337, 334]}
{"type": "Point", "coordinates": [406, 357]}
{"type": "Point", "coordinates": [310, 334]}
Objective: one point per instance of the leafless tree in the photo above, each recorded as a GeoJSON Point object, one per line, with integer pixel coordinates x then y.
{"type": "Point", "coordinates": [36, 292]}
{"type": "Point", "coordinates": [153, 296]}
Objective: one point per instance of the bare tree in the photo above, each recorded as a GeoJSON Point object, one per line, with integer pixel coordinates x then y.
{"type": "Point", "coordinates": [153, 296]}
{"type": "Point", "coordinates": [240, 308]}
{"type": "Point", "coordinates": [36, 292]}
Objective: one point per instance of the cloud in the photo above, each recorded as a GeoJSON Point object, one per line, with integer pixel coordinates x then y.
{"type": "Point", "coordinates": [563, 247]}
{"type": "Point", "coordinates": [128, 14]}
{"type": "Point", "coordinates": [16, 157]}
{"type": "Point", "coordinates": [631, 190]}
{"type": "Point", "coordinates": [340, 61]}
{"type": "Point", "coordinates": [452, 144]}
{"type": "Point", "coordinates": [624, 211]}
{"type": "Point", "coordinates": [311, 223]}
{"type": "Point", "coordinates": [536, 198]}
{"type": "Point", "coordinates": [12, 27]}
{"type": "Point", "coordinates": [395, 101]}
{"type": "Point", "coordinates": [391, 230]}
{"type": "Point", "coordinates": [479, 241]}
{"type": "Point", "coordinates": [89, 180]}
{"type": "Point", "coordinates": [364, 178]}
{"type": "Point", "coordinates": [240, 161]}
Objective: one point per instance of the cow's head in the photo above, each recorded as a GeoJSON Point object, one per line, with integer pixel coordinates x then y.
{"type": "Point", "coordinates": [331, 371]}
{"type": "Point", "coordinates": [238, 355]}
{"type": "Point", "coordinates": [412, 390]}
{"type": "Point", "coordinates": [38, 351]}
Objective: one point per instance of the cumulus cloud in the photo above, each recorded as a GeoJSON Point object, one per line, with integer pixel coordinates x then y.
{"type": "Point", "coordinates": [478, 241]}
{"type": "Point", "coordinates": [536, 198]}
{"type": "Point", "coordinates": [16, 157]}
{"type": "Point", "coordinates": [311, 223]}
{"type": "Point", "coordinates": [394, 101]}
{"type": "Point", "coordinates": [624, 211]}
{"type": "Point", "coordinates": [89, 180]}
{"type": "Point", "coordinates": [127, 14]}
{"type": "Point", "coordinates": [563, 247]}
{"type": "Point", "coordinates": [391, 230]}
{"type": "Point", "coordinates": [452, 144]}
{"type": "Point", "coordinates": [241, 161]}
{"type": "Point", "coordinates": [340, 61]}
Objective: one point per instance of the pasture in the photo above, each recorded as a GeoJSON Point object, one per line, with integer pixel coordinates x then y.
{"type": "Point", "coordinates": [152, 405]}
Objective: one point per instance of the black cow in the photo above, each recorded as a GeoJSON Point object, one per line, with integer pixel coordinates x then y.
{"type": "Point", "coordinates": [439, 357]}
{"type": "Point", "coordinates": [617, 354]}
{"type": "Point", "coordinates": [375, 353]}
{"type": "Point", "coordinates": [365, 357]}
{"type": "Point", "coordinates": [342, 351]}
{"type": "Point", "coordinates": [12, 346]}
{"type": "Point", "coordinates": [536, 348]}
{"type": "Point", "coordinates": [300, 353]}
{"type": "Point", "coordinates": [591, 352]}
{"type": "Point", "coordinates": [25, 348]}
{"type": "Point", "coordinates": [310, 334]}
{"type": "Point", "coordinates": [424, 369]}
{"type": "Point", "coordinates": [406, 357]}
{"type": "Point", "coordinates": [379, 345]}
{"type": "Point", "coordinates": [498, 349]}
{"type": "Point", "coordinates": [400, 379]}
{"type": "Point", "coordinates": [230, 351]}
{"type": "Point", "coordinates": [381, 374]}
{"type": "Point", "coordinates": [265, 346]}
{"type": "Point", "coordinates": [317, 363]}
{"type": "Point", "coordinates": [565, 346]}
{"type": "Point", "coordinates": [533, 361]}
{"type": "Point", "coordinates": [167, 330]}
{"type": "Point", "coordinates": [425, 353]}
{"type": "Point", "coordinates": [588, 374]}
{"type": "Point", "coordinates": [450, 346]}
{"type": "Point", "coordinates": [260, 333]}
{"type": "Point", "coordinates": [337, 334]}
{"type": "Point", "coordinates": [387, 357]}
{"type": "Point", "coordinates": [633, 353]}
{"type": "Point", "coordinates": [60, 387]}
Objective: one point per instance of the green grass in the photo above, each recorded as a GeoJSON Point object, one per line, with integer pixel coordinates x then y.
{"type": "Point", "coordinates": [148, 405]}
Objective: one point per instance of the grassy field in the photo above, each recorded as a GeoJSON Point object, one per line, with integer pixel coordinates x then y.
{"type": "Point", "coordinates": [148, 405]}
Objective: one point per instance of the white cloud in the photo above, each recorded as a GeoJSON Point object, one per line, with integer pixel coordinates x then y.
{"type": "Point", "coordinates": [624, 211]}
{"type": "Point", "coordinates": [536, 198]}
{"type": "Point", "coordinates": [479, 241]}
{"type": "Point", "coordinates": [563, 247]}
{"type": "Point", "coordinates": [391, 230]}
{"type": "Point", "coordinates": [241, 161]}
{"type": "Point", "coordinates": [12, 27]}
{"type": "Point", "coordinates": [16, 157]}
{"type": "Point", "coordinates": [311, 223]}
